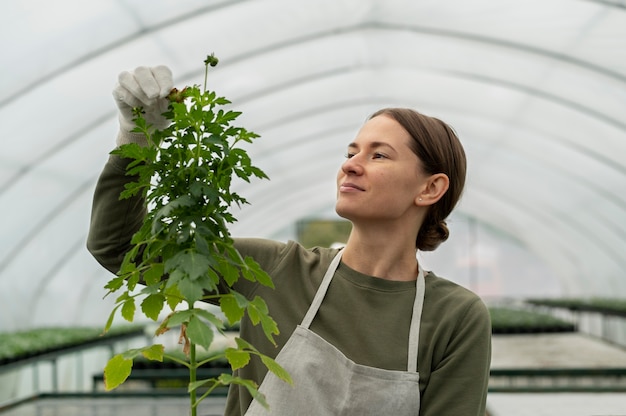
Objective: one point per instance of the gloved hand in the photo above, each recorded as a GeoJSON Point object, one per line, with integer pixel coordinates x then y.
{"type": "Point", "coordinates": [147, 88]}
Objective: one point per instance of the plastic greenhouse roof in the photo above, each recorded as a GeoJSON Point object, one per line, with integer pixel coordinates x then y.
{"type": "Point", "coordinates": [536, 91]}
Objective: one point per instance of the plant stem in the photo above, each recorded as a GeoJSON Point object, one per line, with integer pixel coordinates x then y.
{"type": "Point", "coordinates": [192, 378]}
{"type": "Point", "coordinates": [193, 365]}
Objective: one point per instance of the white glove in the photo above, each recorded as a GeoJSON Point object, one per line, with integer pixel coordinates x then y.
{"type": "Point", "coordinates": [147, 88]}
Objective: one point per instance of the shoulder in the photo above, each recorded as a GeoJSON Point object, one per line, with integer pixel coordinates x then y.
{"type": "Point", "coordinates": [447, 292]}
{"type": "Point", "coordinates": [447, 301]}
{"type": "Point", "coordinates": [273, 255]}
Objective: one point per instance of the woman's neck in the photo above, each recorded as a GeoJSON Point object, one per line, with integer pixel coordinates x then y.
{"type": "Point", "coordinates": [391, 257]}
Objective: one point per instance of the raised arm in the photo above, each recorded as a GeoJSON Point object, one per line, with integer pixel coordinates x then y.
{"type": "Point", "coordinates": [114, 221]}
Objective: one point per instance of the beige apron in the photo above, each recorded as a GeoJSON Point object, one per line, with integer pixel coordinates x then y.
{"type": "Point", "coordinates": [327, 383]}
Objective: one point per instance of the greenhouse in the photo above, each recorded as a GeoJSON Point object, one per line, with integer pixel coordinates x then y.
{"type": "Point", "coordinates": [535, 91]}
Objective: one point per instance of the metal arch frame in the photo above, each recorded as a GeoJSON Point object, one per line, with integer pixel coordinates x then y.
{"type": "Point", "coordinates": [370, 25]}
{"type": "Point", "coordinates": [365, 25]}
{"type": "Point", "coordinates": [609, 3]}
{"type": "Point", "coordinates": [80, 190]}
{"type": "Point", "coordinates": [113, 45]}
{"type": "Point", "coordinates": [76, 136]}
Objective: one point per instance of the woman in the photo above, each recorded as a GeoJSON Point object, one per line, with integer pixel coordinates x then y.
{"type": "Point", "coordinates": [363, 330]}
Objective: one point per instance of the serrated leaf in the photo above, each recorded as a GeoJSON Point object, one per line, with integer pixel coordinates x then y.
{"type": "Point", "coordinates": [178, 318]}
{"type": "Point", "coordinates": [114, 284]}
{"type": "Point", "coordinates": [111, 317]}
{"type": "Point", "coordinates": [191, 290]}
{"type": "Point", "coordinates": [154, 352]}
{"type": "Point", "coordinates": [211, 317]}
{"type": "Point", "coordinates": [128, 309]}
{"type": "Point", "coordinates": [242, 344]}
{"type": "Point", "coordinates": [154, 274]}
{"type": "Point", "coordinates": [229, 273]}
{"type": "Point", "coordinates": [270, 328]}
{"type": "Point", "coordinates": [237, 358]}
{"type": "Point", "coordinates": [231, 309]}
{"type": "Point", "coordinates": [257, 308]}
{"type": "Point", "coordinates": [222, 101]}
{"type": "Point", "coordinates": [123, 297]}
{"type": "Point", "coordinates": [250, 385]}
{"type": "Point", "coordinates": [199, 333]}
{"type": "Point", "coordinates": [173, 297]}
{"type": "Point", "coordinates": [116, 371]}
{"type": "Point", "coordinates": [166, 211]}
{"type": "Point", "coordinates": [260, 274]}
{"type": "Point", "coordinates": [152, 305]}
{"type": "Point", "coordinates": [192, 263]}
{"type": "Point", "coordinates": [275, 368]}
{"type": "Point", "coordinates": [258, 312]}
{"type": "Point", "coordinates": [199, 383]}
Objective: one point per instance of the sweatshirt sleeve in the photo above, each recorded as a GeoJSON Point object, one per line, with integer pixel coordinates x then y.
{"type": "Point", "coordinates": [458, 385]}
{"type": "Point", "coordinates": [113, 220]}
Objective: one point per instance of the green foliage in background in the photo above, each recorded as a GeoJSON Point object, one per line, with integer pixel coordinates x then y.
{"type": "Point", "coordinates": [607, 306]}
{"type": "Point", "coordinates": [513, 320]}
{"type": "Point", "coordinates": [323, 233]}
{"type": "Point", "coordinates": [183, 251]}
{"type": "Point", "coordinates": [22, 344]}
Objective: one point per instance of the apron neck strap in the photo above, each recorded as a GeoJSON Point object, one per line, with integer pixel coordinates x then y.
{"type": "Point", "coordinates": [416, 317]}
{"type": "Point", "coordinates": [321, 291]}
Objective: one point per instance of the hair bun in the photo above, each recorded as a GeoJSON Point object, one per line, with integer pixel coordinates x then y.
{"type": "Point", "coordinates": [431, 235]}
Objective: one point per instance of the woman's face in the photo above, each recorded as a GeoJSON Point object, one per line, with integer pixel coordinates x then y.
{"type": "Point", "coordinates": [381, 178]}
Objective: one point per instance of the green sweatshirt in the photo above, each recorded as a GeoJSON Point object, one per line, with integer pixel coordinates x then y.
{"type": "Point", "coordinates": [365, 317]}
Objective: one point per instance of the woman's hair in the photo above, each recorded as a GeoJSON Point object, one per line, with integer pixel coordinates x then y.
{"type": "Point", "coordinates": [440, 151]}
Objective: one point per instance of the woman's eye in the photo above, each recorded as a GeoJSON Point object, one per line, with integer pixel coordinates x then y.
{"type": "Point", "coordinates": [378, 155]}
{"type": "Point", "coordinates": [349, 155]}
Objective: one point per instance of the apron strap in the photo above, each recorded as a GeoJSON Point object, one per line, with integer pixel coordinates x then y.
{"type": "Point", "coordinates": [414, 330]}
{"type": "Point", "coordinates": [416, 319]}
{"type": "Point", "coordinates": [321, 291]}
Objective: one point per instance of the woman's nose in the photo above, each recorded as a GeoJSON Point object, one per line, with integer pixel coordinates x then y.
{"type": "Point", "coordinates": [352, 165]}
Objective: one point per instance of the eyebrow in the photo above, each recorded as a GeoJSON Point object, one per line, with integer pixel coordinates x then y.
{"type": "Point", "coordinates": [374, 145]}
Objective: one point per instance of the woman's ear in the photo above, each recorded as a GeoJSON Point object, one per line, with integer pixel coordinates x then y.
{"type": "Point", "coordinates": [435, 187]}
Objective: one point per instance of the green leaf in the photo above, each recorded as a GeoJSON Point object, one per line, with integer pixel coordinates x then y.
{"type": "Point", "coordinates": [258, 312]}
{"type": "Point", "coordinates": [191, 290]}
{"type": "Point", "coordinates": [242, 344]}
{"type": "Point", "coordinates": [152, 305]}
{"type": "Point", "coordinates": [128, 309]}
{"type": "Point", "coordinates": [114, 284]}
{"type": "Point", "coordinates": [192, 263]}
{"type": "Point", "coordinates": [229, 273]}
{"type": "Point", "coordinates": [260, 274]}
{"type": "Point", "coordinates": [178, 318]}
{"type": "Point", "coordinates": [211, 317]}
{"type": "Point", "coordinates": [154, 352]}
{"type": "Point", "coordinates": [231, 308]}
{"type": "Point", "coordinates": [154, 274]}
{"type": "Point", "coordinates": [111, 317]}
{"type": "Point", "coordinates": [199, 333]}
{"type": "Point", "coordinates": [166, 211]}
{"type": "Point", "coordinates": [199, 383]}
{"type": "Point", "coordinates": [173, 297]}
{"type": "Point", "coordinates": [116, 371]}
{"type": "Point", "coordinates": [250, 385]}
{"type": "Point", "coordinates": [275, 368]}
{"type": "Point", "coordinates": [237, 358]}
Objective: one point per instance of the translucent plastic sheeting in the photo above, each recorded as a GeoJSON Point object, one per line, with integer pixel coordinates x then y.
{"type": "Point", "coordinates": [536, 91]}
